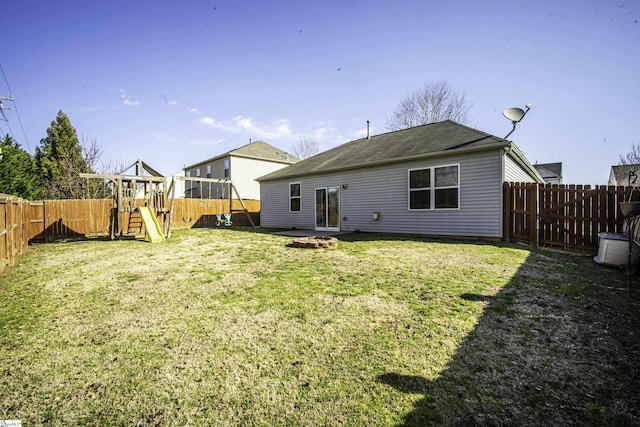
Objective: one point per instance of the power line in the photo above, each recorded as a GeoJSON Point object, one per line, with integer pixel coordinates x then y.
{"type": "Point", "coordinates": [8, 127]}
{"type": "Point", "coordinates": [15, 107]}
{"type": "Point", "coordinates": [3, 132]}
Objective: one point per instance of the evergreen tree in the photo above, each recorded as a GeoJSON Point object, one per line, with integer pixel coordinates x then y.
{"type": "Point", "coordinates": [60, 161]}
{"type": "Point", "coordinates": [18, 173]}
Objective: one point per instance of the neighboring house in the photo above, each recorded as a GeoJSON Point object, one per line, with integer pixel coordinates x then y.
{"type": "Point", "coordinates": [174, 179]}
{"type": "Point", "coordinates": [620, 175]}
{"type": "Point", "coordinates": [551, 173]}
{"type": "Point", "coordinates": [437, 179]}
{"type": "Point", "coordinates": [242, 166]}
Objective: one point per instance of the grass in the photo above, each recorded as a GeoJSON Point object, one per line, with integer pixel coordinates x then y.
{"type": "Point", "coordinates": [232, 327]}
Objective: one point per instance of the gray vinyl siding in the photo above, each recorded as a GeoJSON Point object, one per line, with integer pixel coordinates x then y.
{"type": "Point", "coordinates": [384, 189]}
{"type": "Point", "coordinates": [206, 190]}
{"type": "Point", "coordinates": [513, 172]}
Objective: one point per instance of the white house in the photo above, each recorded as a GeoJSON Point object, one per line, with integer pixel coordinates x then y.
{"type": "Point", "coordinates": [241, 165]}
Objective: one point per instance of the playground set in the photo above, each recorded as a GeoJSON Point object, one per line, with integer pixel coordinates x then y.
{"type": "Point", "coordinates": [143, 204]}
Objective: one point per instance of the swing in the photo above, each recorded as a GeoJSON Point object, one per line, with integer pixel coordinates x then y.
{"type": "Point", "coordinates": [227, 216]}
{"type": "Point", "coordinates": [220, 189]}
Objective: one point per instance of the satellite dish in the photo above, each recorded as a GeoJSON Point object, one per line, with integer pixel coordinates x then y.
{"type": "Point", "coordinates": [514, 114]}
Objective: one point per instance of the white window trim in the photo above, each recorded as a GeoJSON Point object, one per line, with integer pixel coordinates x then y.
{"type": "Point", "coordinates": [294, 197]}
{"type": "Point", "coordinates": [433, 188]}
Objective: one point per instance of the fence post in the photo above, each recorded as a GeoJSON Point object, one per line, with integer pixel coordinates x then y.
{"type": "Point", "coordinates": [10, 232]}
{"type": "Point", "coordinates": [506, 199]}
{"type": "Point", "coordinates": [533, 214]}
{"type": "Point", "coordinates": [4, 233]}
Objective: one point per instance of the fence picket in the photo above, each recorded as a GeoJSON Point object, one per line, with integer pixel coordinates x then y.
{"type": "Point", "coordinates": [13, 230]}
{"type": "Point", "coordinates": [569, 217]}
{"type": "Point", "coordinates": [58, 219]}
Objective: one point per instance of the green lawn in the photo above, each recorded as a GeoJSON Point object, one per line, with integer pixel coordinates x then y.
{"type": "Point", "coordinates": [235, 327]}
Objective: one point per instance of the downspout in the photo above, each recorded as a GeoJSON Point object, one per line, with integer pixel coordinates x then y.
{"type": "Point", "coordinates": [503, 161]}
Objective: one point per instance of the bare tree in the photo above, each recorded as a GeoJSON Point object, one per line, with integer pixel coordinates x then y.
{"type": "Point", "coordinates": [306, 147]}
{"type": "Point", "coordinates": [93, 153]}
{"type": "Point", "coordinates": [433, 103]}
{"type": "Point", "coordinates": [115, 166]}
{"type": "Point", "coordinates": [632, 157]}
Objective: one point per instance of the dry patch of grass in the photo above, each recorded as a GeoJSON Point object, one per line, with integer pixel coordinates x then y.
{"type": "Point", "coordinates": [231, 327]}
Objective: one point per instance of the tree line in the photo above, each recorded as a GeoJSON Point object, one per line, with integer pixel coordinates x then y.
{"type": "Point", "coordinates": [53, 172]}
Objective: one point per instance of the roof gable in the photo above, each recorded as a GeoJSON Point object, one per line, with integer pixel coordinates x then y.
{"type": "Point", "coordinates": [259, 150]}
{"type": "Point", "coordinates": [549, 170]}
{"type": "Point", "coordinates": [140, 168]}
{"type": "Point", "coordinates": [262, 150]}
{"type": "Point", "coordinates": [402, 145]}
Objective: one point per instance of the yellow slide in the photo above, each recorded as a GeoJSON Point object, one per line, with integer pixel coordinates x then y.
{"type": "Point", "coordinates": [151, 226]}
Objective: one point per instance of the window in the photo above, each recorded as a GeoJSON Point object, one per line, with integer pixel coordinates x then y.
{"type": "Point", "coordinates": [198, 172]}
{"type": "Point", "coordinates": [226, 168]}
{"type": "Point", "coordinates": [434, 188]}
{"type": "Point", "coordinates": [295, 200]}
{"type": "Point", "coordinates": [208, 171]}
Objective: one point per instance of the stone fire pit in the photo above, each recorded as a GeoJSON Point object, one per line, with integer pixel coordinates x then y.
{"type": "Point", "coordinates": [315, 242]}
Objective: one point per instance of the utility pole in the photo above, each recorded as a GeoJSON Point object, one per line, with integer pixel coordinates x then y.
{"type": "Point", "coordinates": [2, 107]}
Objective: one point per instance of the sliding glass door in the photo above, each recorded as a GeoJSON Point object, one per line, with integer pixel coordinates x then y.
{"type": "Point", "coordinates": [328, 209]}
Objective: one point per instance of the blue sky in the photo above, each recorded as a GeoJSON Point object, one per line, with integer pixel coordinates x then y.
{"type": "Point", "coordinates": [177, 82]}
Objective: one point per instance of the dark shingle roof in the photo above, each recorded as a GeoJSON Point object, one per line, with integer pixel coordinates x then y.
{"type": "Point", "coordinates": [255, 150]}
{"type": "Point", "coordinates": [554, 168]}
{"type": "Point", "coordinates": [549, 170]}
{"type": "Point", "coordinates": [402, 145]}
{"type": "Point", "coordinates": [262, 150]}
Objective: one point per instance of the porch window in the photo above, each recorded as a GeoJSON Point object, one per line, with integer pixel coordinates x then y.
{"type": "Point", "coordinates": [434, 188]}
{"type": "Point", "coordinates": [295, 200]}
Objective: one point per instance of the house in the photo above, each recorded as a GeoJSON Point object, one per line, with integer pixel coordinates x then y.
{"type": "Point", "coordinates": [241, 165]}
{"type": "Point", "coordinates": [626, 175]}
{"type": "Point", "coordinates": [551, 173]}
{"type": "Point", "coordinates": [438, 179]}
{"type": "Point", "coordinates": [175, 180]}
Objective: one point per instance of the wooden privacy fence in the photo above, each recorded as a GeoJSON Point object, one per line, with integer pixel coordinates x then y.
{"type": "Point", "coordinates": [14, 237]}
{"type": "Point", "coordinates": [567, 217]}
{"type": "Point", "coordinates": [58, 219]}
